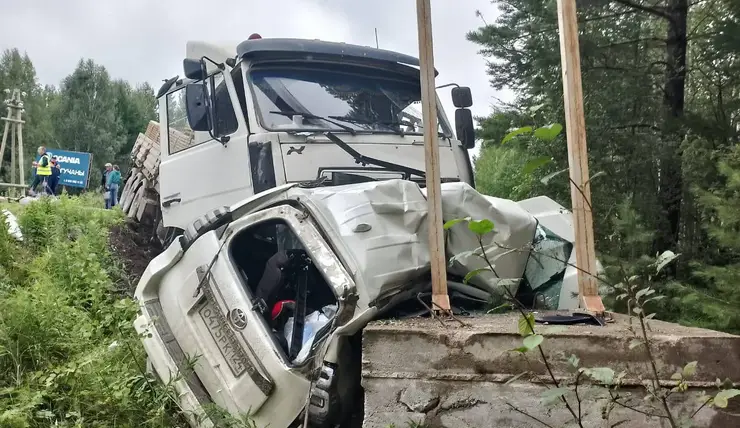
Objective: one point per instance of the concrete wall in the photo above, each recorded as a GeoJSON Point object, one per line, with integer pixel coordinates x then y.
{"type": "Point", "coordinates": [420, 372]}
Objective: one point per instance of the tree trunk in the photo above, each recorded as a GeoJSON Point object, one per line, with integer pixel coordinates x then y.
{"type": "Point", "coordinates": [671, 177]}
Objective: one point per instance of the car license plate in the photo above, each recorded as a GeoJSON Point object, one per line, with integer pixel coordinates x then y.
{"type": "Point", "coordinates": [224, 337]}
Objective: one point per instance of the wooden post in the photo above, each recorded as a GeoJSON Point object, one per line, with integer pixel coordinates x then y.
{"type": "Point", "coordinates": [5, 138]}
{"type": "Point", "coordinates": [19, 124]}
{"type": "Point", "coordinates": [13, 159]}
{"type": "Point", "coordinates": [580, 189]}
{"type": "Point", "coordinates": [440, 298]}
{"type": "Point", "coordinates": [14, 123]}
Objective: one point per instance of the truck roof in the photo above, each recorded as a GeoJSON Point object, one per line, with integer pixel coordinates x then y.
{"type": "Point", "coordinates": [265, 48]}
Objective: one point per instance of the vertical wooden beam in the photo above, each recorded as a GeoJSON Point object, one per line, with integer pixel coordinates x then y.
{"type": "Point", "coordinates": [13, 166]}
{"type": "Point", "coordinates": [580, 189]}
{"type": "Point", "coordinates": [22, 177]}
{"type": "Point", "coordinates": [440, 298]}
{"type": "Point", "coordinates": [5, 138]}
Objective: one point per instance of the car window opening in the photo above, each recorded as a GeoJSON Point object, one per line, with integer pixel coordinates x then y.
{"type": "Point", "coordinates": [295, 301]}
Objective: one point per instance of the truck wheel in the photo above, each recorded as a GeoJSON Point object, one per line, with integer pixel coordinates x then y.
{"type": "Point", "coordinates": [170, 234]}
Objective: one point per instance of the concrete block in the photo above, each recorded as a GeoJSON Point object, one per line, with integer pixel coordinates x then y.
{"type": "Point", "coordinates": [456, 376]}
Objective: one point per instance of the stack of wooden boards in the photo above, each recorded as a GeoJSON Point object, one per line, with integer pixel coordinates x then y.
{"type": "Point", "coordinates": [140, 195]}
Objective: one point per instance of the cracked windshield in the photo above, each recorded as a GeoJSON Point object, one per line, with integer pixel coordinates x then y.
{"type": "Point", "coordinates": [326, 100]}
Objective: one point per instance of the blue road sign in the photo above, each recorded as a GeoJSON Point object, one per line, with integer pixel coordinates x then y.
{"type": "Point", "coordinates": [75, 167]}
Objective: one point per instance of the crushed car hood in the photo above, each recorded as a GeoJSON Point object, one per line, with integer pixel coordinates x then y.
{"type": "Point", "coordinates": [380, 232]}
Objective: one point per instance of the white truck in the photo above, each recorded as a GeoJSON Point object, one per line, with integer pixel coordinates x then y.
{"type": "Point", "coordinates": [274, 111]}
{"type": "Point", "coordinates": [297, 214]}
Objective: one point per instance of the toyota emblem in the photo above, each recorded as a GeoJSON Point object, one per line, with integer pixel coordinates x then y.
{"type": "Point", "coordinates": [238, 318]}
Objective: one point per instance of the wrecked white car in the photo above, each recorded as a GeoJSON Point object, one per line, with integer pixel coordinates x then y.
{"type": "Point", "coordinates": [270, 296]}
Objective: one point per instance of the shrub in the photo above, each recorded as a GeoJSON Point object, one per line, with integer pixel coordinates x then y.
{"type": "Point", "coordinates": [69, 355]}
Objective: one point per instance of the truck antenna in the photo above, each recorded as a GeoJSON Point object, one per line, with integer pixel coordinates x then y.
{"type": "Point", "coordinates": [376, 38]}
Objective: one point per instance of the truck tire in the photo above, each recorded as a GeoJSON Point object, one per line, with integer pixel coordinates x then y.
{"type": "Point", "coordinates": [166, 235]}
{"type": "Point", "coordinates": [170, 234]}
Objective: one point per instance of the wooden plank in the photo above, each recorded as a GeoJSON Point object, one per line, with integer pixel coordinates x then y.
{"type": "Point", "coordinates": [129, 182]}
{"type": "Point", "coordinates": [131, 194]}
{"type": "Point", "coordinates": [12, 120]}
{"type": "Point", "coordinates": [21, 161]}
{"type": "Point", "coordinates": [13, 185]}
{"type": "Point", "coordinates": [5, 139]}
{"type": "Point", "coordinates": [144, 150]}
{"type": "Point", "coordinates": [152, 131]}
{"type": "Point", "coordinates": [440, 298]}
{"type": "Point", "coordinates": [137, 143]}
{"type": "Point", "coordinates": [152, 160]}
{"type": "Point", "coordinates": [141, 199]}
{"type": "Point", "coordinates": [147, 209]}
{"type": "Point", "coordinates": [13, 159]}
{"type": "Point", "coordinates": [142, 155]}
{"type": "Point", "coordinates": [580, 189]}
{"type": "Point", "coordinates": [134, 208]}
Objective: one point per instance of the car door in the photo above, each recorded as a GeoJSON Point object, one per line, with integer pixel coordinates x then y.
{"type": "Point", "coordinates": [198, 173]}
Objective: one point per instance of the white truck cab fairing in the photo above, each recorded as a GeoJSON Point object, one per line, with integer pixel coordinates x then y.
{"type": "Point", "coordinates": [257, 114]}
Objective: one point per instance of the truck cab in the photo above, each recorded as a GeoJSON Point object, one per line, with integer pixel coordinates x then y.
{"type": "Point", "coordinates": [270, 112]}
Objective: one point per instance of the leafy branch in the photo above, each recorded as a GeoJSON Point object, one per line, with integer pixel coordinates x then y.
{"type": "Point", "coordinates": [567, 392]}
{"type": "Point", "coordinates": [547, 133]}
{"type": "Point", "coordinates": [526, 324]}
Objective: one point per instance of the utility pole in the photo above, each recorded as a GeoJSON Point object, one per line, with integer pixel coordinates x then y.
{"type": "Point", "coordinates": [14, 124]}
{"type": "Point", "coordinates": [440, 298]}
{"type": "Point", "coordinates": [580, 188]}
{"type": "Point", "coordinates": [377, 45]}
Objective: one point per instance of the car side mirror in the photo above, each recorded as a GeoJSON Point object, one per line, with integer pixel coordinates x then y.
{"type": "Point", "coordinates": [196, 107]}
{"type": "Point", "coordinates": [462, 97]}
{"type": "Point", "coordinates": [465, 128]}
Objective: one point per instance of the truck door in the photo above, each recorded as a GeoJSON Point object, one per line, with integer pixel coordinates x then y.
{"type": "Point", "coordinates": [198, 173]}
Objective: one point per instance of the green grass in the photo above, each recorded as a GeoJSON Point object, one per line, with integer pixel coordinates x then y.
{"type": "Point", "coordinates": [69, 356]}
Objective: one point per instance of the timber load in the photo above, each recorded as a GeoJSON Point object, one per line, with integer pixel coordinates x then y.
{"type": "Point", "coordinates": [140, 194]}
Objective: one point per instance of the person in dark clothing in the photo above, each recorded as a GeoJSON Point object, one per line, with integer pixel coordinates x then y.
{"type": "Point", "coordinates": [103, 188]}
{"type": "Point", "coordinates": [56, 171]}
{"type": "Point", "coordinates": [102, 179]}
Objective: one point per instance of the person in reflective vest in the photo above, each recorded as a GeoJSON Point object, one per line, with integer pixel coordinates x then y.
{"type": "Point", "coordinates": [43, 170]}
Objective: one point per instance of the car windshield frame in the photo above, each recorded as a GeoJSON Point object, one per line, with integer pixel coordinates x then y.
{"type": "Point", "coordinates": [388, 87]}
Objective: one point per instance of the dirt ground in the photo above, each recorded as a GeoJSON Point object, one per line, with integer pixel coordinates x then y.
{"type": "Point", "coordinates": [137, 246]}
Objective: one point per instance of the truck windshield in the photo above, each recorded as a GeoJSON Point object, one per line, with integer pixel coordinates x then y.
{"type": "Point", "coordinates": [365, 103]}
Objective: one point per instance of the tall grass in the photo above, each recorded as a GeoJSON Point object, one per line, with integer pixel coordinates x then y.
{"type": "Point", "coordinates": [69, 356]}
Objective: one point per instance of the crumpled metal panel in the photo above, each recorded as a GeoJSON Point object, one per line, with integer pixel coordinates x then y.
{"type": "Point", "coordinates": [379, 231]}
{"type": "Point", "coordinates": [382, 226]}
{"type": "Point", "coordinates": [507, 248]}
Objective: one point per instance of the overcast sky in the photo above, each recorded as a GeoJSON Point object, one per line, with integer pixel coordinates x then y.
{"type": "Point", "coordinates": [144, 40]}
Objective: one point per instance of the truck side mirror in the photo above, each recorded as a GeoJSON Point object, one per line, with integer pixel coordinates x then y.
{"type": "Point", "coordinates": [462, 97]}
{"type": "Point", "coordinates": [193, 69]}
{"type": "Point", "coordinates": [465, 128]}
{"type": "Point", "coordinates": [196, 108]}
